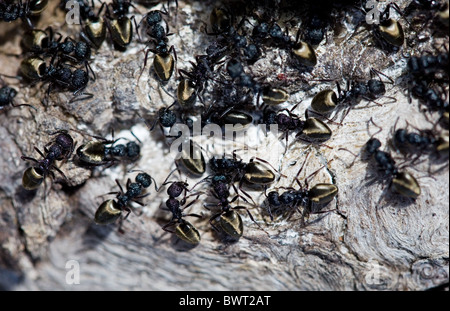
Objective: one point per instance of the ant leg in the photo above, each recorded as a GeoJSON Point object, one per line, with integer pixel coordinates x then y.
{"type": "Point", "coordinates": [355, 156]}
{"type": "Point", "coordinates": [120, 187]}
{"type": "Point", "coordinates": [170, 223]}
{"type": "Point", "coordinates": [251, 217]}
{"type": "Point", "coordinates": [145, 63]}
{"type": "Point", "coordinates": [29, 158]}
{"type": "Point", "coordinates": [380, 128]}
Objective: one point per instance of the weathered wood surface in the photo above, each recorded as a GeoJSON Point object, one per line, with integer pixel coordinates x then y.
{"type": "Point", "coordinates": [376, 240]}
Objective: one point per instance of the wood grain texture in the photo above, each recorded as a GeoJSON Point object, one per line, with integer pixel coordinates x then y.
{"type": "Point", "coordinates": [372, 239]}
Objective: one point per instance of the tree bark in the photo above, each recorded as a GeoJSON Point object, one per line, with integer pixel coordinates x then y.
{"type": "Point", "coordinates": [371, 238]}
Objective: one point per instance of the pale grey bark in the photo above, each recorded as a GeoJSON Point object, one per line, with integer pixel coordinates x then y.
{"type": "Point", "coordinates": [375, 241]}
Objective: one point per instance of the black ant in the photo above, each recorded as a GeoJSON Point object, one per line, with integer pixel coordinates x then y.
{"type": "Point", "coordinates": [119, 25]}
{"type": "Point", "coordinates": [327, 100]}
{"type": "Point", "coordinates": [103, 151]}
{"type": "Point", "coordinates": [420, 142]}
{"type": "Point", "coordinates": [313, 129]}
{"type": "Point", "coordinates": [13, 11]}
{"type": "Point", "coordinates": [228, 38]}
{"type": "Point", "coordinates": [93, 25]}
{"type": "Point", "coordinates": [59, 149]}
{"type": "Point", "coordinates": [316, 23]}
{"type": "Point", "coordinates": [319, 195]}
{"type": "Point", "coordinates": [35, 69]}
{"type": "Point", "coordinates": [387, 31]}
{"type": "Point", "coordinates": [184, 229]}
{"type": "Point", "coordinates": [434, 98]}
{"type": "Point", "coordinates": [7, 95]}
{"type": "Point", "coordinates": [302, 51]}
{"type": "Point", "coordinates": [164, 62]}
{"type": "Point", "coordinates": [166, 118]}
{"type": "Point", "coordinates": [110, 210]}
{"type": "Point", "coordinates": [400, 181]}
{"type": "Point", "coordinates": [227, 218]}
{"type": "Point", "coordinates": [237, 73]}
{"type": "Point", "coordinates": [427, 66]}
{"type": "Point", "coordinates": [195, 82]}
{"type": "Point", "coordinates": [253, 173]}
{"type": "Point", "coordinates": [40, 42]}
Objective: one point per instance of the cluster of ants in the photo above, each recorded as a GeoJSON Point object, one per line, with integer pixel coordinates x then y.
{"type": "Point", "coordinates": [243, 31]}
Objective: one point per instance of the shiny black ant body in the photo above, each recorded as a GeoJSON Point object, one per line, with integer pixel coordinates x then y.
{"type": "Point", "coordinates": [433, 97]}
{"type": "Point", "coordinates": [184, 229]}
{"type": "Point", "coordinates": [327, 100]}
{"type": "Point", "coordinates": [13, 11]}
{"type": "Point", "coordinates": [195, 81]}
{"type": "Point", "coordinates": [60, 75]}
{"type": "Point", "coordinates": [319, 195]}
{"type": "Point", "coordinates": [163, 62]}
{"type": "Point", "coordinates": [400, 180]}
{"type": "Point", "coordinates": [102, 151]}
{"type": "Point", "coordinates": [111, 210]}
{"type": "Point", "coordinates": [43, 42]}
{"type": "Point", "coordinates": [229, 41]}
{"type": "Point", "coordinates": [300, 50]}
{"type": "Point", "coordinates": [420, 141]}
{"type": "Point", "coordinates": [59, 149]}
{"type": "Point", "coordinates": [93, 25]}
{"type": "Point", "coordinates": [227, 218]}
{"type": "Point", "coordinates": [313, 129]}
{"type": "Point", "coordinates": [253, 173]}
{"type": "Point", "coordinates": [388, 32]}
{"type": "Point", "coordinates": [119, 25]}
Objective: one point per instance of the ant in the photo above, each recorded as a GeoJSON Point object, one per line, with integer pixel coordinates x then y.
{"type": "Point", "coordinates": [61, 75]}
{"type": "Point", "coordinates": [119, 25]}
{"type": "Point", "coordinates": [110, 210]}
{"type": "Point", "coordinates": [59, 149]}
{"type": "Point", "coordinates": [388, 32]}
{"type": "Point", "coordinates": [327, 100]}
{"type": "Point", "coordinates": [13, 11]}
{"type": "Point", "coordinates": [227, 218]}
{"type": "Point", "coordinates": [195, 82]}
{"type": "Point", "coordinates": [163, 63]}
{"type": "Point", "coordinates": [236, 71]}
{"type": "Point", "coordinates": [94, 28]}
{"type": "Point", "coordinates": [254, 172]}
{"type": "Point", "coordinates": [301, 50]}
{"type": "Point", "coordinates": [39, 42]}
{"type": "Point", "coordinates": [400, 181]}
{"type": "Point", "coordinates": [97, 152]}
{"type": "Point", "coordinates": [427, 66]}
{"type": "Point", "coordinates": [433, 98]}
{"type": "Point", "coordinates": [320, 195]}
{"type": "Point", "coordinates": [312, 128]}
{"type": "Point", "coordinates": [228, 38]}
{"type": "Point", "coordinates": [228, 116]}
{"type": "Point", "coordinates": [429, 10]}
{"type": "Point", "coordinates": [316, 23]}
{"type": "Point", "coordinates": [420, 141]}
{"type": "Point", "coordinates": [184, 229]}
{"type": "Point", "coordinates": [166, 118]}
{"type": "Point", "coordinates": [7, 95]}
